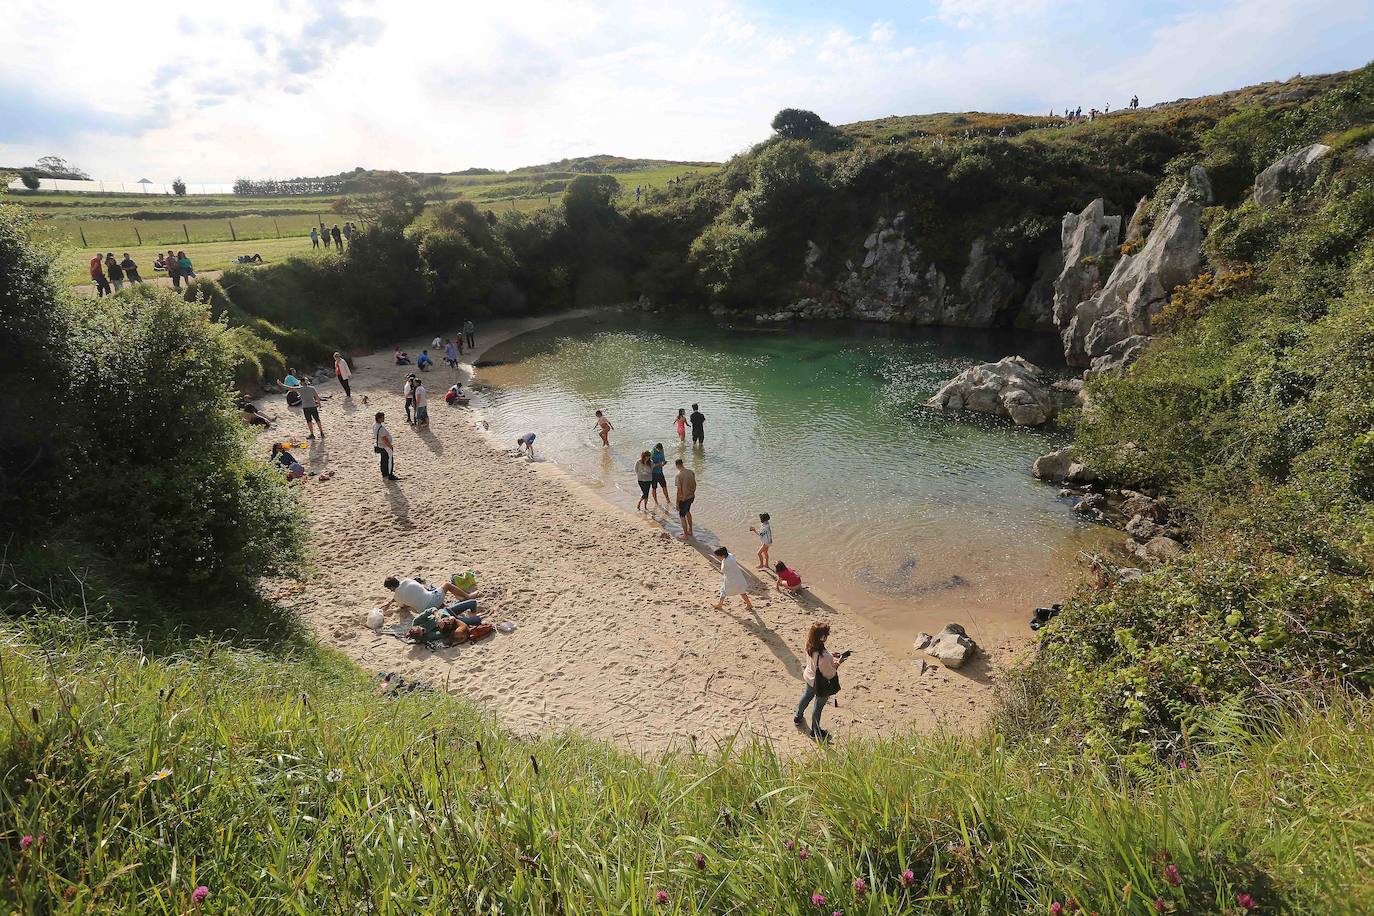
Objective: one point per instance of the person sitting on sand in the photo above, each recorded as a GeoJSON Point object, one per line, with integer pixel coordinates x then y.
{"type": "Point", "coordinates": [402, 359]}
{"type": "Point", "coordinates": [250, 415]}
{"type": "Point", "coordinates": [282, 456]}
{"type": "Point", "coordinates": [733, 581]}
{"type": "Point", "coordinates": [417, 596]}
{"type": "Point", "coordinates": [525, 445]}
{"type": "Point", "coordinates": [424, 362]}
{"type": "Point", "coordinates": [455, 395]}
{"type": "Point", "coordinates": [788, 580]}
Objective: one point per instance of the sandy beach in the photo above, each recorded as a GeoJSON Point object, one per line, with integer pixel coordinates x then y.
{"type": "Point", "coordinates": [615, 634]}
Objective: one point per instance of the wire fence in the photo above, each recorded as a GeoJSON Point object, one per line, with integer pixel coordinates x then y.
{"type": "Point", "coordinates": [141, 187]}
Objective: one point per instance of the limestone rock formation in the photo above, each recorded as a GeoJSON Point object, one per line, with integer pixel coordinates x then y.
{"type": "Point", "coordinates": [1011, 387]}
{"type": "Point", "coordinates": [1037, 308]}
{"type": "Point", "coordinates": [1119, 355]}
{"type": "Point", "coordinates": [1087, 239]}
{"type": "Point", "coordinates": [1140, 284]}
{"type": "Point", "coordinates": [952, 645]}
{"type": "Point", "coordinates": [1294, 172]}
{"type": "Point", "coordinates": [894, 282]}
{"type": "Point", "coordinates": [987, 290]}
{"type": "Point", "coordinates": [1055, 465]}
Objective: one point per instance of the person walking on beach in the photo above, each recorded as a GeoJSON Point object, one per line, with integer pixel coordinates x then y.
{"type": "Point", "coordinates": [470, 330]}
{"type": "Point", "coordinates": [603, 428]}
{"type": "Point", "coordinates": [102, 286]}
{"type": "Point", "coordinates": [660, 462]}
{"type": "Point", "coordinates": [310, 406]}
{"type": "Point", "coordinates": [384, 447]}
{"type": "Point", "coordinates": [732, 580]}
{"type": "Point", "coordinates": [686, 482]}
{"type": "Point", "coordinates": [409, 392]}
{"type": "Point", "coordinates": [644, 476]}
{"type": "Point", "coordinates": [451, 354]}
{"type": "Point", "coordinates": [343, 374]}
{"type": "Point", "coordinates": [765, 533]}
{"type": "Point", "coordinates": [822, 675]}
{"type": "Point", "coordinates": [421, 405]}
{"type": "Point", "coordinates": [698, 426]}
{"type": "Point", "coordinates": [314, 237]}
{"type": "Point", "coordinates": [680, 424]}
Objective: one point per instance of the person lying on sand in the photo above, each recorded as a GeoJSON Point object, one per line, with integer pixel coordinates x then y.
{"type": "Point", "coordinates": [435, 622]}
{"type": "Point", "coordinates": [417, 596]}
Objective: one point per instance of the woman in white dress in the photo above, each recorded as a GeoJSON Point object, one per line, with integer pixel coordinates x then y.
{"type": "Point", "coordinates": [733, 581]}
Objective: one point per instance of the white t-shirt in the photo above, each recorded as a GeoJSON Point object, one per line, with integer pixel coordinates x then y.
{"type": "Point", "coordinates": [417, 596]}
{"type": "Point", "coordinates": [341, 367]}
{"type": "Point", "coordinates": [765, 533]}
{"type": "Point", "coordinates": [382, 437]}
{"type": "Point", "coordinates": [438, 342]}
{"type": "Point", "coordinates": [409, 389]}
{"type": "Point", "coordinates": [421, 396]}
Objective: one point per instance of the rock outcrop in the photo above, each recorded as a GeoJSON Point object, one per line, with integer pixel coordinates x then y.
{"type": "Point", "coordinates": [1088, 240]}
{"type": "Point", "coordinates": [987, 291]}
{"type": "Point", "coordinates": [1119, 355]}
{"type": "Point", "coordinates": [1011, 387]}
{"type": "Point", "coordinates": [1295, 172]}
{"type": "Point", "coordinates": [1037, 309]}
{"type": "Point", "coordinates": [952, 645]}
{"type": "Point", "coordinates": [1055, 465]}
{"type": "Point", "coordinates": [1140, 284]}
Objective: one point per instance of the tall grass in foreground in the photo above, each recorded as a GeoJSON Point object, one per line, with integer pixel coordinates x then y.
{"type": "Point", "coordinates": [280, 783]}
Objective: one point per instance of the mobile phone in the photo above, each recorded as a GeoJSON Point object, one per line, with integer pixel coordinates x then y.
{"type": "Point", "coordinates": [846, 653]}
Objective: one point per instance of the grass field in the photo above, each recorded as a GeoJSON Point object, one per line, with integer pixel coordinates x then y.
{"type": "Point", "coordinates": [125, 222]}
{"type": "Point", "coordinates": [204, 256]}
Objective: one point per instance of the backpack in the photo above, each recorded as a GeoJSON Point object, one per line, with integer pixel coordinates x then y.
{"type": "Point", "coordinates": [826, 686]}
{"type": "Point", "coordinates": [481, 631]}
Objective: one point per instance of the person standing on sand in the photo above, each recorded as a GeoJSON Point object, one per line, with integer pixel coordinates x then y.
{"type": "Point", "coordinates": [384, 447]}
{"type": "Point", "coordinates": [822, 675]}
{"type": "Point", "coordinates": [644, 476]}
{"type": "Point", "coordinates": [310, 406]}
{"type": "Point", "coordinates": [733, 581]}
{"type": "Point", "coordinates": [114, 271]}
{"type": "Point", "coordinates": [338, 237]}
{"type": "Point", "coordinates": [470, 330]}
{"type": "Point", "coordinates": [343, 374]}
{"type": "Point", "coordinates": [130, 269]}
{"type": "Point", "coordinates": [603, 429]}
{"type": "Point", "coordinates": [409, 392]}
{"type": "Point", "coordinates": [680, 424]}
{"type": "Point", "coordinates": [698, 426]}
{"type": "Point", "coordinates": [765, 533]}
{"type": "Point", "coordinates": [660, 461]}
{"type": "Point", "coordinates": [421, 405]}
{"type": "Point", "coordinates": [686, 482]}
{"type": "Point", "coordinates": [314, 237]}
{"type": "Point", "coordinates": [451, 355]}
{"type": "Point", "coordinates": [173, 269]}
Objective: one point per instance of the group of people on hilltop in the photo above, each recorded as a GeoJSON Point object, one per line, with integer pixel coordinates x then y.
{"type": "Point", "coordinates": [109, 275]}
{"type": "Point", "coordinates": [339, 236]}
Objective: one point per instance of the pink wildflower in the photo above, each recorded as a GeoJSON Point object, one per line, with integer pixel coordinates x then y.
{"type": "Point", "coordinates": [818, 899]}
{"type": "Point", "coordinates": [662, 898]}
{"type": "Point", "coordinates": [908, 878]}
{"type": "Point", "coordinates": [860, 886]}
{"type": "Point", "coordinates": [1172, 876]}
{"type": "Point", "coordinates": [1056, 908]}
{"type": "Point", "coordinates": [1245, 901]}
{"type": "Point", "coordinates": [199, 894]}
{"type": "Point", "coordinates": [789, 844]}
{"type": "Point", "coordinates": [803, 854]}
{"type": "Point", "coordinates": [26, 841]}
{"type": "Point", "coordinates": [1159, 904]}
{"type": "Point", "coordinates": [700, 860]}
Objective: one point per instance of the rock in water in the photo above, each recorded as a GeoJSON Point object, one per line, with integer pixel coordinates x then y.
{"type": "Point", "coordinates": [1140, 284]}
{"type": "Point", "coordinates": [1055, 465]}
{"type": "Point", "coordinates": [1088, 240]}
{"type": "Point", "coordinates": [1295, 172]}
{"type": "Point", "coordinates": [1011, 387]}
{"type": "Point", "coordinates": [952, 646]}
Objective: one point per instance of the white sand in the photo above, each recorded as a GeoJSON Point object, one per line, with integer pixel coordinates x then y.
{"type": "Point", "coordinates": [615, 634]}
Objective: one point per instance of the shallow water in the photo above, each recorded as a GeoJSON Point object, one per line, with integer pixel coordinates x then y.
{"type": "Point", "coordinates": [912, 517]}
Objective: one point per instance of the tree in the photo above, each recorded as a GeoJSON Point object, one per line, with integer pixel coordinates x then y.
{"type": "Point", "coordinates": [585, 195]}
{"type": "Point", "coordinates": [178, 187]}
{"type": "Point", "coordinates": [30, 179]}
{"type": "Point", "coordinates": [799, 124]}
{"type": "Point", "coordinates": [57, 167]}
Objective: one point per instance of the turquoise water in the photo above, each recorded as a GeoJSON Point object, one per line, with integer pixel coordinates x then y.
{"type": "Point", "coordinates": [906, 514]}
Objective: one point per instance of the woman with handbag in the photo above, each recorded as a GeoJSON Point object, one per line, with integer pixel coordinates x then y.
{"type": "Point", "coordinates": [822, 676]}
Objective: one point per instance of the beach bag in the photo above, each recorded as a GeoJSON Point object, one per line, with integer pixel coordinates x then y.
{"type": "Point", "coordinates": [375, 618]}
{"type": "Point", "coordinates": [467, 581]}
{"type": "Point", "coordinates": [826, 686]}
{"type": "Point", "coordinates": [481, 631]}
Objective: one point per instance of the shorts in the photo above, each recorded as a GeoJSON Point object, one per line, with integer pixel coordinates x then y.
{"type": "Point", "coordinates": [422, 414]}
{"type": "Point", "coordinates": [644, 487]}
{"type": "Point", "coordinates": [311, 413]}
{"type": "Point", "coordinates": [685, 505]}
{"type": "Point", "coordinates": [659, 480]}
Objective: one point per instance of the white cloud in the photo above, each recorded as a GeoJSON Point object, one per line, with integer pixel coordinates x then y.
{"type": "Point", "coordinates": [286, 87]}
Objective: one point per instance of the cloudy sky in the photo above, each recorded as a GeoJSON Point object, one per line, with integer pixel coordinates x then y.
{"type": "Point", "coordinates": [264, 88]}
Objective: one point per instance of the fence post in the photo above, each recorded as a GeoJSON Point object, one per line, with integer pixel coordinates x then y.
{"type": "Point", "coordinates": [276, 227]}
{"type": "Point", "coordinates": [84, 243]}
{"type": "Point", "coordinates": [186, 233]}
{"type": "Point", "coordinates": [232, 233]}
{"type": "Point", "coordinates": [138, 235]}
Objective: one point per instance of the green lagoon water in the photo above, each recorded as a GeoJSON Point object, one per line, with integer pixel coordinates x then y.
{"type": "Point", "coordinates": [912, 517]}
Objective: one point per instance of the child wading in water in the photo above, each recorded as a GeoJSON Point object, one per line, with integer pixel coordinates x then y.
{"type": "Point", "coordinates": [733, 581]}
{"type": "Point", "coordinates": [604, 427]}
{"type": "Point", "coordinates": [680, 423]}
{"type": "Point", "coordinates": [765, 533]}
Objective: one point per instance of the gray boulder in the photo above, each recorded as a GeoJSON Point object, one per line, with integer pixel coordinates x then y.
{"type": "Point", "coordinates": [1010, 387]}
{"type": "Point", "coordinates": [1088, 240]}
{"type": "Point", "coordinates": [1119, 355]}
{"type": "Point", "coordinates": [1366, 151]}
{"type": "Point", "coordinates": [1142, 530]}
{"type": "Point", "coordinates": [1140, 284]}
{"type": "Point", "coordinates": [1158, 549]}
{"type": "Point", "coordinates": [952, 646]}
{"type": "Point", "coordinates": [1139, 225]}
{"type": "Point", "coordinates": [1055, 465]}
{"type": "Point", "coordinates": [1091, 505]}
{"type": "Point", "coordinates": [1134, 503]}
{"type": "Point", "coordinates": [1295, 172]}
{"type": "Point", "coordinates": [1080, 475]}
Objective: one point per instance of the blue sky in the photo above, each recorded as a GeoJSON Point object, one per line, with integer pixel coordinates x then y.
{"type": "Point", "coordinates": [291, 87]}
